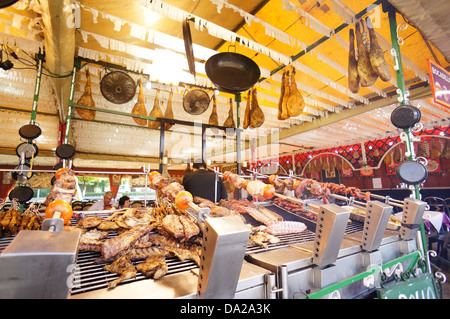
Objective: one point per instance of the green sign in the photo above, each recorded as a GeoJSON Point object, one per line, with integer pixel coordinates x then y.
{"type": "Point", "coordinates": [420, 287]}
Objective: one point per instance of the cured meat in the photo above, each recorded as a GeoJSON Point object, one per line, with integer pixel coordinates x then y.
{"type": "Point", "coordinates": [287, 91]}
{"type": "Point", "coordinates": [285, 227]}
{"type": "Point", "coordinates": [139, 107]}
{"type": "Point", "coordinates": [229, 122]}
{"type": "Point", "coordinates": [367, 76]}
{"type": "Point", "coordinates": [295, 102]}
{"type": "Point", "coordinates": [155, 112]}
{"type": "Point", "coordinates": [113, 246]}
{"type": "Point", "coordinates": [256, 114]}
{"type": "Point", "coordinates": [256, 188]}
{"type": "Point", "coordinates": [282, 112]}
{"type": "Point", "coordinates": [376, 56]}
{"type": "Point", "coordinates": [168, 114]}
{"type": "Point", "coordinates": [87, 100]}
{"type": "Point", "coordinates": [247, 111]}
{"type": "Point", "coordinates": [353, 76]}
{"type": "Point", "coordinates": [213, 118]}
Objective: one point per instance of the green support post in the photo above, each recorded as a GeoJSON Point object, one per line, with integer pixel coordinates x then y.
{"type": "Point", "coordinates": [37, 87]}
{"type": "Point", "coordinates": [69, 109]}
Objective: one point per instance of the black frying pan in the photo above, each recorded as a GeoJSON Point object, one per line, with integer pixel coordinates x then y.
{"type": "Point", "coordinates": [21, 193]}
{"type": "Point", "coordinates": [232, 72]}
{"type": "Point", "coordinates": [30, 131]}
{"type": "Point", "coordinates": [65, 151]}
{"type": "Point", "coordinates": [405, 116]}
{"type": "Point", "coordinates": [188, 46]}
{"type": "Point", "coordinates": [411, 172]}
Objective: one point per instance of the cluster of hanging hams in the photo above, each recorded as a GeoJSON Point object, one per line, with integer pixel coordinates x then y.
{"type": "Point", "coordinates": [291, 102]}
{"type": "Point", "coordinates": [370, 64]}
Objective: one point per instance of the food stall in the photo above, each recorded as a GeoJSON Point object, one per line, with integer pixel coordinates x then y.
{"type": "Point", "coordinates": [135, 97]}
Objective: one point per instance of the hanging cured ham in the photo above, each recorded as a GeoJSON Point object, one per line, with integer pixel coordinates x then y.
{"type": "Point", "coordinates": [295, 102]}
{"type": "Point", "coordinates": [246, 123]}
{"type": "Point", "coordinates": [229, 122]}
{"type": "Point", "coordinates": [376, 56]}
{"type": "Point", "coordinates": [168, 114]}
{"type": "Point", "coordinates": [139, 107]}
{"type": "Point", "coordinates": [282, 111]}
{"type": "Point", "coordinates": [353, 76]}
{"type": "Point", "coordinates": [287, 91]}
{"type": "Point", "coordinates": [155, 112]}
{"type": "Point", "coordinates": [213, 118]}
{"type": "Point", "coordinates": [367, 76]}
{"type": "Point", "coordinates": [256, 114]}
{"type": "Point", "coordinates": [87, 100]}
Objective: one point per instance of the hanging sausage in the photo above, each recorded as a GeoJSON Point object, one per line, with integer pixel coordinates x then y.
{"type": "Point", "coordinates": [139, 107]}
{"type": "Point", "coordinates": [86, 100]}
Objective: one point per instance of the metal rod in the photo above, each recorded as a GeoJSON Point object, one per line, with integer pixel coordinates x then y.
{"type": "Point", "coordinates": [37, 87]}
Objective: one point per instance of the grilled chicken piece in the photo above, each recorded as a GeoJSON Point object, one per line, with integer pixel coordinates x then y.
{"type": "Point", "coordinates": [256, 114]}
{"type": "Point", "coordinates": [155, 267]}
{"type": "Point", "coordinates": [90, 222]}
{"type": "Point", "coordinates": [155, 112]}
{"type": "Point", "coordinates": [124, 268]}
{"type": "Point", "coordinates": [353, 76]}
{"type": "Point", "coordinates": [295, 102]}
{"type": "Point", "coordinates": [376, 56]}
{"type": "Point", "coordinates": [113, 246]}
{"type": "Point", "coordinates": [367, 76]}
{"type": "Point", "coordinates": [139, 107]}
{"type": "Point", "coordinates": [87, 100]}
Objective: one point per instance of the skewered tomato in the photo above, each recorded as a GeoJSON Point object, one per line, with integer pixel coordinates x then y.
{"type": "Point", "coordinates": [61, 206]}
{"type": "Point", "coordinates": [272, 179]}
{"type": "Point", "coordinates": [182, 199]}
{"type": "Point", "coordinates": [153, 175]}
{"type": "Point", "coordinates": [244, 184]}
{"type": "Point", "coordinates": [296, 183]}
{"type": "Point", "coordinates": [269, 191]}
{"type": "Point", "coordinates": [59, 172]}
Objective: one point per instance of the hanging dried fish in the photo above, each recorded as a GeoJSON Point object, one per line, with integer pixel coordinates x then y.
{"type": "Point", "coordinates": [247, 111]}
{"type": "Point", "coordinates": [353, 76]}
{"type": "Point", "coordinates": [139, 107]}
{"type": "Point", "coordinates": [229, 122]}
{"type": "Point", "coordinates": [256, 114]}
{"type": "Point", "coordinates": [367, 76]}
{"type": "Point", "coordinates": [282, 112]}
{"type": "Point", "coordinates": [87, 100]}
{"type": "Point", "coordinates": [155, 112]}
{"type": "Point", "coordinates": [168, 114]}
{"type": "Point", "coordinates": [376, 56]}
{"type": "Point", "coordinates": [295, 103]}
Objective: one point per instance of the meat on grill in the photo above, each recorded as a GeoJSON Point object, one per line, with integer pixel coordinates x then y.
{"type": "Point", "coordinates": [63, 188]}
{"type": "Point", "coordinates": [180, 227]}
{"type": "Point", "coordinates": [90, 222]}
{"type": "Point", "coordinates": [123, 267]}
{"type": "Point", "coordinates": [113, 246]}
{"type": "Point", "coordinates": [154, 266]}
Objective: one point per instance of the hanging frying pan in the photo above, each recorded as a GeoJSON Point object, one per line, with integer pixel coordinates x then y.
{"type": "Point", "coordinates": [196, 102]}
{"type": "Point", "coordinates": [29, 149]}
{"type": "Point", "coordinates": [21, 193]}
{"type": "Point", "coordinates": [118, 87]}
{"type": "Point", "coordinates": [30, 131]}
{"type": "Point", "coordinates": [405, 116]}
{"type": "Point", "coordinates": [7, 3]}
{"type": "Point", "coordinates": [22, 176]}
{"type": "Point", "coordinates": [188, 46]}
{"type": "Point", "coordinates": [65, 151]}
{"type": "Point", "coordinates": [232, 72]}
{"type": "Point", "coordinates": [411, 172]}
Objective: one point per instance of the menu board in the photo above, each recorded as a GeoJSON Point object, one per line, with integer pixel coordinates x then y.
{"type": "Point", "coordinates": [440, 83]}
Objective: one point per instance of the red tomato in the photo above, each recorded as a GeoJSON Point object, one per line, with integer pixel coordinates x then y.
{"type": "Point", "coordinates": [153, 175]}
{"type": "Point", "coordinates": [182, 199]}
{"type": "Point", "coordinates": [244, 184]}
{"type": "Point", "coordinates": [272, 179]}
{"type": "Point", "coordinates": [296, 183]}
{"type": "Point", "coordinates": [269, 191]}
{"type": "Point", "coordinates": [59, 172]}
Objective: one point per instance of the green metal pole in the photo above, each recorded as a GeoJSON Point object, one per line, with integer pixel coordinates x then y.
{"type": "Point", "coordinates": [69, 109]}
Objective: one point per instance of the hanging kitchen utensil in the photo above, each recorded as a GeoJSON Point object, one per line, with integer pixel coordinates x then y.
{"type": "Point", "coordinates": [29, 149]}
{"type": "Point", "coordinates": [411, 172]}
{"type": "Point", "coordinates": [118, 87]}
{"type": "Point", "coordinates": [65, 151]}
{"type": "Point", "coordinates": [188, 46]}
{"type": "Point", "coordinates": [196, 101]}
{"type": "Point", "coordinates": [405, 116]}
{"type": "Point", "coordinates": [30, 131]}
{"type": "Point", "coordinates": [22, 193]}
{"type": "Point", "coordinates": [232, 72]}
{"type": "Point", "coordinates": [87, 100]}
